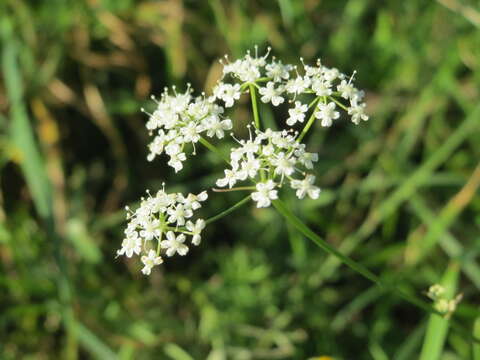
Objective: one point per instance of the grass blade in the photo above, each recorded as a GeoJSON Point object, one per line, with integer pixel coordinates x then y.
{"type": "Point", "coordinates": [437, 328]}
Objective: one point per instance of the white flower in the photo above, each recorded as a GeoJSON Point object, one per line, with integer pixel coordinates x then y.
{"type": "Point", "coordinates": [228, 93]}
{"type": "Point", "coordinates": [297, 113]}
{"type": "Point", "coordinates": [298, 85]}
{"type": "Point", "coordinates": [196, 230]}
{"type": "Point", "coordinates": [249, 169]}
{"type": "Point", "coordinates": [332, 74]}
{"type": "Point", "coordinates": [284, 164]}
{"type": "Point", "coordinates": [161, 201]}
{"type": "Point", "coordinates": [193, 201]}
{"type": "Point", "coordinates": [357, 112]}
{"type": "Point", "coordinates": [150, 229]}
{"type": "Point", "coordinates": [270, 94]}
{"type": "Point", "coordinates": [265, 194]}
{"type": "Point", "coordinates": [306, 158]}
{"type": "Point", "coordinates": [327, 113]}
{"type": "Point", "coordinates": [321, 87]}
{"type": "Point", "coordinates": [132, 244]}
{"type": "Point", "coordinates": [156, 147]}
{"type": "Point", "coordinates": [215, 127]}
{"type": "Point", "coordinates": [230, 179]}
{"type": "Point", "coordinates": [174, 244]}
{"type": "Point", "coordinates": [178, 214]}
{"type": "Point", "coordinates": [277, 71]}
{"type": "Point", "coordinates": [176, 161]}
{"type": "Point", "coordinates": [305, 187]}
{"type": "Point", "coordinates": [191, 132]}
{"type": "Point", "coordinates": [346, 89]}
{"type": "Point", "coordinates": [150, 261]}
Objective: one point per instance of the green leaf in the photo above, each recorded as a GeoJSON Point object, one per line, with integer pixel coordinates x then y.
{"type": "Point", "coordinates": [175, 352]}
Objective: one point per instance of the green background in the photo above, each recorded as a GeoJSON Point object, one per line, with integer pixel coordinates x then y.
{"type": "Point", "coordinates": [400, 192]}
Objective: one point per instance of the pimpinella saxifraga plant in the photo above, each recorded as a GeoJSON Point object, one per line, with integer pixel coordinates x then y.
{"type": "Point", "coordinates": [265, 162]}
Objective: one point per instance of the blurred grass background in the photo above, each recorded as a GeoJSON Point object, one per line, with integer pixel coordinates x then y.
{"type": "Point", "coordinates": [400, 192]}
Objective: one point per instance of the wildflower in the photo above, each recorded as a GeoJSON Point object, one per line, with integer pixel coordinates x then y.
{"type": "Point", "coordinates": [159, 216]}
{"type": "Point", "coordinates": [284, 164]}
{"type": "Point", "coordinates": [178, 214]}
{"type": "Point", "coordinates": [298, 85]}
{"type": "Point", "coordinates": [269, 159]}
{"type": "Point", "coordinates": [150, 261]}
{"type": "Point", "coordinates": [180, 119]}
{"type": "Point", "coordinates": [228, 93]}
{"type": "Point", "coordinates": [297, 113]}
{"type": "Point", "coordinates": [150, 229]}
{"type": "Point", "coordinates": [265, 194]}
{"type": "Point", "coordinates": [174, 244]}
{"type": "Point", "coordinates": [327, 113]}
{"type": "Point", "coordinates": [321, 87]}
{"type": "Point", "coordinates": [358, 113]}
{"type": "Point", "coordinates": [132, 244]}
{"type": "Point", "coordinates": [196, 229]}
{"type": "Point", "coordinates": [230, 179]}
{"type": "Point", "coordinates": [271, 94]}
{"type": "Point", "coordinates": [217, 127]}
{"type": "Point", "coordinates": [277, 71]}
{"type": "Point", "coordinates": [306, 187]}
{"type": "Point", "coordinates": [276, 155]}
{"type": "Point", "coordinates": [346, 89]}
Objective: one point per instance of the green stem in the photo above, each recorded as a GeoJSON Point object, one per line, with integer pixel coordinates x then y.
{"type": "Point", "coordinates": [299, 225]}
{"type": "Point", "coordinates": [310, 121]}
{"type": "Point", "coordinates": [253, 96]}
{"type": "Point", "coordinates": [228, 211]}
{"type": "Point", "coordinates": [213, 148]}
{"type": "Point", "coordinates": [338, 103]}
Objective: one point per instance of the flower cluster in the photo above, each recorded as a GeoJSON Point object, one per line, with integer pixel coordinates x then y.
{"type": "Point", "coordinates": [266, 161]}
{"type": "Point", "coordinates": [162, 223]}
{"type": "Point", "coordinates": [180, 119]}
{"type": "Point", "coordinates": [277, 82]}
{"type": "Point", "coordinates": [269, 160]}
{"type": "Point", "coordinates": [443, 304]}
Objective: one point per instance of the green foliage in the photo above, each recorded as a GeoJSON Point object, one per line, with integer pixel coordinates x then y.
{"type": "Point", "coordinates": [400, 193]}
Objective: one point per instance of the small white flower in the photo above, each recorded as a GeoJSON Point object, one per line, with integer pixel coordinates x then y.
{"type": "Point", "coordinates": [270, 94]}
{"type": "Point", "coordinates": [327, 113]}
{"type": "Point", "coordinates": [176, 161]}
{"type": "Point", "coordinates": [174, 244]}
{"type": "Point", "coordinates": [332, 74]}
{"type": "Point", "coordinates": [357, 112]}
{"type": "Point", "coordinates": [230, 179]}
{"type": "Point", "coordinates": [305, 187]}
{"type": "Point", "coordinates": [265, 194]}
{"type": "Point", "coordinates": [346, 89]}
{"type": "Point", "coordinates": [178, 214]}
{"type": "Point", "coordinates": [132, 244]}
{"type": "Point", "coordinates": [193, 201]}
{"type": "Point", "coordinates": [191, 132]}
{"type": "Point", "coordinates": [249, 168]}
{"type": "Point", "coordinates": [217, 127]}
{"type": "Point", "coordinates": [196, 230]}
{"type": "Point", "coordinates": [150, 261]}
{"type": "Point", "coordinates": [228, 93]}
{"type": "Point", "coordinates": [277, 71]}
{"type": "Point", "coordinates": [306, 158]}
{"type": "Point", "coordinates": [322, 87]}
{"type": "Point", "coordinates": [150, 229]}
{"type": "Point", "coordinates": [298, 85]}
{"type": "Point", "coordinates": [297, 113]}
{"type": "Point", "coordinates": [284, 164]}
